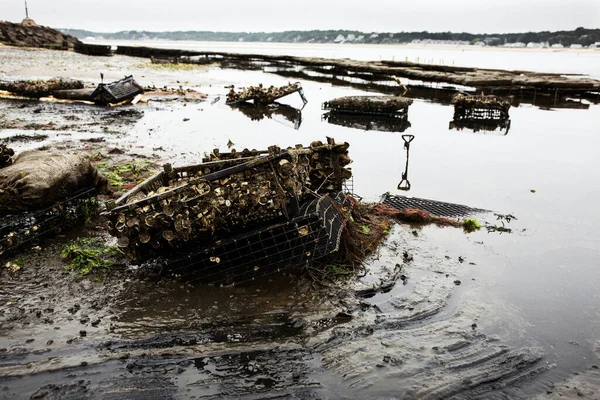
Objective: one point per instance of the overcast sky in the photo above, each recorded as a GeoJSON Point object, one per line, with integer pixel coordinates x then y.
{"type": "Point", "coordinates": [476, 16]}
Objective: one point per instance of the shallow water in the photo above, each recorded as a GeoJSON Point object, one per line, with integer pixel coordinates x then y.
{"type": "Point", "coordinates": [541, 60]}
{"type": "Point", "coordinates": [532, 293]}
{"type": "Point", "coordinates": [544, 272]}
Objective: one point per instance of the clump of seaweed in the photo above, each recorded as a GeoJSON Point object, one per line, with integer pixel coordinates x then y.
{"type": "Point", "coordinates": [368, 225]}
{"type": "Point", "coordinates": [122, 177]}
{"type": "Point", "coordinates": [89, 255]}
{"type": "Point", "coordinates": [471, 225]}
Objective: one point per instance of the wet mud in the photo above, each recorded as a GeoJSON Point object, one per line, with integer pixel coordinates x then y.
{"type": "Point", "coordinates": [420, 324]}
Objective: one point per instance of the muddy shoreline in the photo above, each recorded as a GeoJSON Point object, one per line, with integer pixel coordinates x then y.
{"type": "Point", "coordinates": [406, 329]}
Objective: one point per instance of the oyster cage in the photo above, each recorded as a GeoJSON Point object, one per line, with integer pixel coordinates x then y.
{"type": "Point", "coordinates": [180, 207]}
{"type": "Point", "coordinates": [25, 229]}
{"type": "Point", "coordinates": [386, 106]}
{"type": "Point", "coordinates": [480, 108]}
{"type": "Point", "coordinates": [315, 233]}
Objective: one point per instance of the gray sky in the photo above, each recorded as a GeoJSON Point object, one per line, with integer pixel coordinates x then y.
{"type": "Point", "coordinates": [477, 16]}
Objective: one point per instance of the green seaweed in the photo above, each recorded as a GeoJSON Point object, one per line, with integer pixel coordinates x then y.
{"type": "Point", "coordinates": [470, 225]}
{"type": "Point", "coordinates": [88, 256]}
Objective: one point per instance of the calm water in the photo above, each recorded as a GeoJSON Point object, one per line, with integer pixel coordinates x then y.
{"type": "Point", "coordinates": [545, 273]}
{"type": "Point", "coordinates": [537, 286]}
{"type": "Point", "coordinates": [544, 60]}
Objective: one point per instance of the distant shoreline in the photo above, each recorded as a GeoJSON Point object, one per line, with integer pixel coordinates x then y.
{"type": "Point", "coordinates": [154, 42]}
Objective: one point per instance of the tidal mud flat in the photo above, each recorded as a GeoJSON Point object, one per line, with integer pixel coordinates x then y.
{"type": "Point", "coordinates": [419, 324]}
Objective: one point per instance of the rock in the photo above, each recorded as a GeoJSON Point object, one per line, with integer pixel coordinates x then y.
{"type": "Point", "coordinates": [38, 179]}
{"type": "Point", "coordinates": [34, 36]}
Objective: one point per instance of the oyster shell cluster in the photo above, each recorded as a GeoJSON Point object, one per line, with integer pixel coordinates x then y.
{"type": "Point", "coordinates": [260, 94]}
{"type": "Point", "coordinates": [39, 88]}
{"type": "Point", "coordinates": [473, 107]}
{"type": "Point", "coordinates": [369, 104]}
{"type": "Point", "coordinates": [183, 207]}
{"type": "Point", "coordinates": [6, 154]}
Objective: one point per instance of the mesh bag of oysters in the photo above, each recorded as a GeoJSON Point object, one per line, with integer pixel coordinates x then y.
{"type": "Point", "coordinates": [180, 208]}
{"type": "Point", "coordinates": [261, 95]}
{"type": "Point", "coordinates": [380, 105]}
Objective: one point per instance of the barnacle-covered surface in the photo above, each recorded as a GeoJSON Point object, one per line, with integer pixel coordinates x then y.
{"type": "Point", "coordinates": [6, 154]}
{"type": "Point", "coordinates": [480, 107]}
{"type": "Point", "coordinates": [39, 88]}
{"type": "Point", "coordinates": [178, 208]}
{"type": "Point", "coordinates": [261, 95]}
{"type": "Point", "coordinates": [380, 105]}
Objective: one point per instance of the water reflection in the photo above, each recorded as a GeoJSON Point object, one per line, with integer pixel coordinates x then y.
{"type": "Point", "coordinates": [405, 183]}
{"type": "Point", "coordinates": [499, 127]}
{"type": "Point", "coordinates": [283, 113]}
{"type": "Point", "coordinates": [368, 122]}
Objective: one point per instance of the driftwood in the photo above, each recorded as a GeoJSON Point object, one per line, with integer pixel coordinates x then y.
{"type": "Point", "coordinates": [74, 94]}
{"type": "Point", "coordinates": [37, 89]}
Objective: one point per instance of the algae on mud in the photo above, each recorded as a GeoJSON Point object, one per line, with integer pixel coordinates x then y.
{"type": "Point", "coordinates": [89, 255]}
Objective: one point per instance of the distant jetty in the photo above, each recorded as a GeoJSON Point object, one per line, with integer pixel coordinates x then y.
{"type": "Point", "coordinates": [29, 34]}
{"type": "Point", "coordinates": [492, 81]}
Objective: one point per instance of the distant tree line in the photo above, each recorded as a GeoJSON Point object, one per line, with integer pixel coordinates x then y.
{"type": "Point", "coordinates": [581, 36]}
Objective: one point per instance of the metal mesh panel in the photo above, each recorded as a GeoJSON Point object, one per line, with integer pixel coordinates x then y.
{"type": "Point", "coordinates": [437, 208]}
{"type": "Point", "coordinates": [24, 229]}
{"type": "Point", "coordinates": [480, 112]}
{"type": "Point", "coordinates": [316, 233]}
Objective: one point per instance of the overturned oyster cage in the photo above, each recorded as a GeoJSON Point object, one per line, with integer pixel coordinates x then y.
{"type": "Point", "coordinates": [179, 208]}
{"type": "Point", "coordinates": [316, 232]}
{"type": "Point", "coordinates": [261, 95]}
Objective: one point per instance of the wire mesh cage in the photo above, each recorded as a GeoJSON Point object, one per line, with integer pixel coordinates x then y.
{"type": "Point", "coordinates": [389, 106]}
{"type": "Point", "coordinates": [25, 229]}
{"type": "Point", "coordinates": [314, 233]}
{"type": "Point", "coordinates": [177, 208]}
{"type": "Point", "coordinates": [480, 108]}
